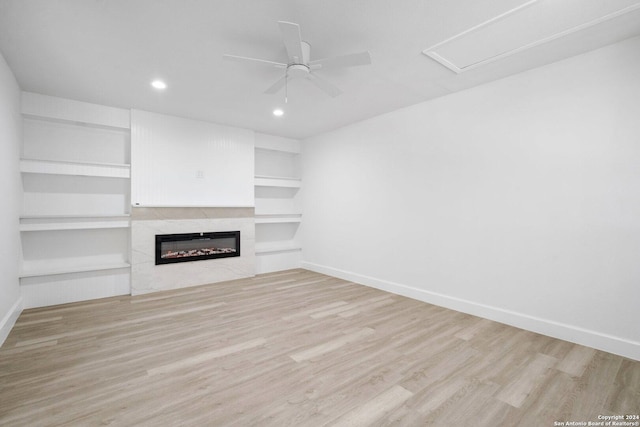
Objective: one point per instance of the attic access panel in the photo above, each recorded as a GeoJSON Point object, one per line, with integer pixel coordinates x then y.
{"type": "Point", "coordinates": [528, 25]}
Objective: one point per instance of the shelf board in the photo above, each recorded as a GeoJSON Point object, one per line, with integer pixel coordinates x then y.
{"type": "Point", "coordinates": [277, 181]}
{"type": "Point", "coordinates": [288, 178]}
{"type": "Point", "coordinates": [79, 269]}
{"type": "Point", "coordinates": [74, 216]}
{"type": "Point", "coordinates": [184, 205]}
{"type": "Point", "coordinates": [289, 151]}
{"type": "Point", "coordinates": [272, 247]}
{"type": "Point", "coordinates": [76, 225]}
{"type": "Point", "coordinates": [277, 219]}
{"type": "Point", "coordinates": [60, 120]}
{"type": "Point", "coordinates": [278, 147]}
{"type": "Point", "coordinates": [264, 213]}
{"type": "Point", "coordinates": [56, 167]}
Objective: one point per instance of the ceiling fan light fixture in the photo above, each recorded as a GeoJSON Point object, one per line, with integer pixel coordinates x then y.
{"type": "Point", "coordinates": [278, 112]}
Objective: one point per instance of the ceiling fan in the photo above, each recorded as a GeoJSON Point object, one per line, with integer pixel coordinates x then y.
{"type": "Point", "coordinates": [299, 64]}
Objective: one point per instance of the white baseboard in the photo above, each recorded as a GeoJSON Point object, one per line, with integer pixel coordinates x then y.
{"type": "Point", "coordinates": [571, 333]}
{"type": "Point", "coordinates": [9, 320]}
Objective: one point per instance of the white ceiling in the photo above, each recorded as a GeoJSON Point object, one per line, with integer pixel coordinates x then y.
{"type": "Point", "coordinates": [108, 51]}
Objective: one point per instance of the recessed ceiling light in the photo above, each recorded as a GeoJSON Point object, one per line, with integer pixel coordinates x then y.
{"type": "Point", "coordinates": [278, 112]}
{"type": "Point", "coordinates": [159, 84]}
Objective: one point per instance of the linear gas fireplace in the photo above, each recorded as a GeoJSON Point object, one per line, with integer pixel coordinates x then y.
{"type": "Point", "coordinates": [171, 248]}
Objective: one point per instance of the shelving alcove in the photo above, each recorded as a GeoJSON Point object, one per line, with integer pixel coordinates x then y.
{"type": "Point", "coordinates": [278, 207]}
{"type": "Point", "coordinates": [74, 225]}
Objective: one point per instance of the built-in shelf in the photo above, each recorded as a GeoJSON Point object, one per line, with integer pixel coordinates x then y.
{"type": "Point", "coordinates": [72, 217]}
{"type": "Point", "coordinates": [76, 198]}
{"type": "Point", "coordinates": [43, 223]}
{"type": "Point", "coordinates": [277, 219]}
{"type": "Point", "coordinates": [262, 212]}
{"type": "Point", "coordinates": [277, 181]}
{"type": "Point", "coordinates": [75, 123]}
{"type": "Point", "coordinates": [56, 167]}
{"type": "Point", "coordinates": [69, 270]}
{"type": "Point", "coordinates": [277, 203]}
{"type": "Point", "coordinates": [279, 148]}
{"type": "Point", "coordinates": [273, 247]}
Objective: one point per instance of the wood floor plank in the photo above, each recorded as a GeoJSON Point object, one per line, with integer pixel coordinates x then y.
{"type": "Point", "coordinates": [205, 357]}
{"type": "Point", "coordinates": [295, 348]}
{"type": "Point", "coordinates": [544, 408]}
{"type": "Point", "coordinates": [593, 388]}
{"type": "Point", "coordinates": [626, 393]}
{"type": "Point", "coordinates": [352, 306]}
{"type": "Point", "coordinates": [374, 409]}
{"type": "Point", "coordinates": [311, 311]}
{"type": "Point", "coordinates": [469, 409]}
{"type": "Point", "coordinates": [575, 362]}
{"type": "Point", "coordinates": [521, 386]}
{"type": "Point", "coordinates": [476, 328]}
{"type": "Point", "coordinates": [332, 345]}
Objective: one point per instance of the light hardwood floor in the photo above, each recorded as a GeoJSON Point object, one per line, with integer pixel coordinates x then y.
{"type": "Point", "coordinates": [296, 348]}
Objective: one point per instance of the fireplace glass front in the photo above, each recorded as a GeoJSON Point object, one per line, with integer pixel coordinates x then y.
{"type": "Point", "coordinates": [172, 248]}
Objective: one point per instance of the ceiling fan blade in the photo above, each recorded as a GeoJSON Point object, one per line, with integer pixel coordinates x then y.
{"type": "Point", "coordinates": [292, 41]}
{"type": "Point", "coordinates": [277, 85]}
{"type": "Point", "coordinates": [350, 60]}
{"type": "Point", "coordinates": [253, 60]}
{"type": "Point", "coordinates": [327, 87]}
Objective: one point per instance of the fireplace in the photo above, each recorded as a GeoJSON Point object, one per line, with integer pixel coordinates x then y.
{"type": "Point", "coordinates": [172, 248]}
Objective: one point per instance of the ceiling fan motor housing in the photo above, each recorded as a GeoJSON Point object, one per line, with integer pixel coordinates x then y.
{"type": "Point", "coordinates": [300, 70]}
{"type": "Point", "coordinates": [297, 70]}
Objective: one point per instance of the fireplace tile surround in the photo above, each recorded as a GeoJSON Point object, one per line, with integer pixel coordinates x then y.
{"type": "Point", "coordinates": [147, 222]}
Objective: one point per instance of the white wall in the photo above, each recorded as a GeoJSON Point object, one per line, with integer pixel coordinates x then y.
{"type": "Point", "coordinates": [182, 162]}
{"type": "Point", "coordinates": [10, 136]}
{"type": "Point", "coordinates": [517, 200]}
